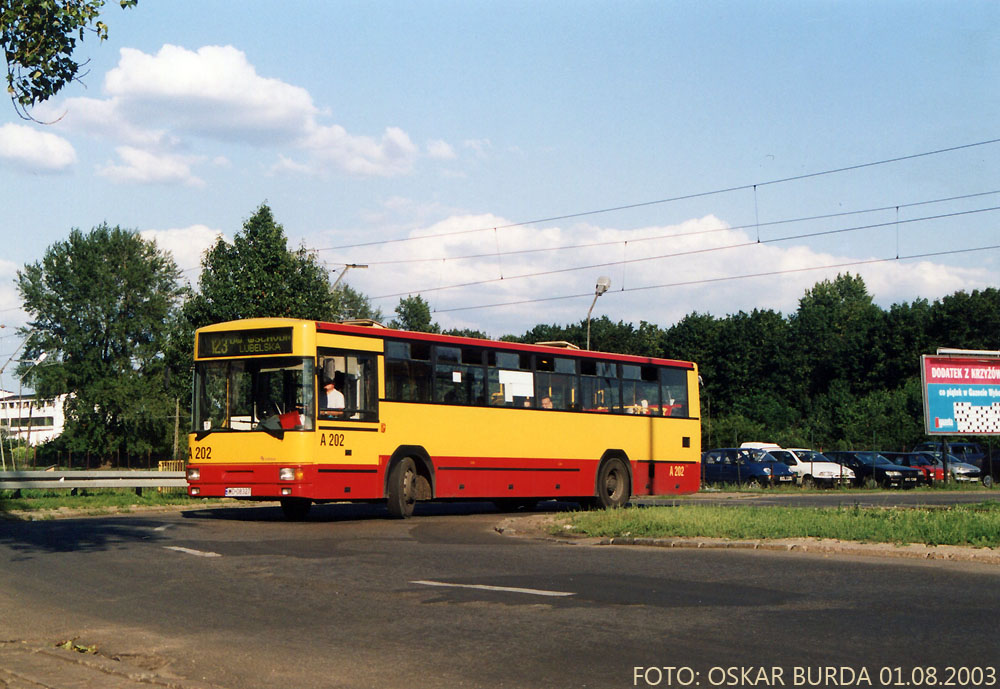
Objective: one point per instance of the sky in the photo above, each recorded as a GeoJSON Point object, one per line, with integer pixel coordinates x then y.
{"type": "Point", "coordinates": [498, 158]}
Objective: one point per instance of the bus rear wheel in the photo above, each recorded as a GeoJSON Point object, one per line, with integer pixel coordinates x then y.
{"type": "Point", "coordinates": [613, 484]}
{"type": "Point", "coordinates": [401, 491]}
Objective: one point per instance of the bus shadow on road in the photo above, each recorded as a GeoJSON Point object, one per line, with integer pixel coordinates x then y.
{"type": "Point", "coordinates": [75, 535]}
{"type": "Point", "coordinates": [353, 511]}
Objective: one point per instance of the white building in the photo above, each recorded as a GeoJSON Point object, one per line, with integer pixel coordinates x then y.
{"type": "Point", "coordinates": [34, 421]}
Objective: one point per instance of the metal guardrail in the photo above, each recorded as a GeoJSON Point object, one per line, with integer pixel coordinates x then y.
{"type": "Point", "coordinates": [54, 480]}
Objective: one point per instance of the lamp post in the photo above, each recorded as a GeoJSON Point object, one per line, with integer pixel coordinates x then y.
{"type": "Point", "coordinates": [3, 459]}
{"type": "Point", "coordinates": [20, 406]}
{"type": "Point", "coordinates": [603, 284]}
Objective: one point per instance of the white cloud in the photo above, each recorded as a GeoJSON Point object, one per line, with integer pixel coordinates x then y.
{"type": "Point", "coordinates": [441, 150]}
{"type": "Point", "coordinates": [35, 151]}
{"type": "Point", "coordinates": [213, 91]}
{"type": "Point", "coordinates": [146, 167]}
{"type": "Point", "coordinates": [393, 154]}
{"type": "Point", "coordinates": [479, 146]}
{"type": "Point", "coordinates": [104, 118]}
{"type": "Point", "coordinates": [158, 102]}
{"type": "Point", "coordinates": [186, 244]}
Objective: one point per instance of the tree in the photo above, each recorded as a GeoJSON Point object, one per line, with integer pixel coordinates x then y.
{"type": "Point", "coordinates": [257, 276]}
{"type": "Point", "coordinates": [349, 303]}
{"type": "Point", "coordinates": [414, 313]}
{"type": "Point", "coordinates": [39, 39]}
{"type": "Point", "coordinates": [101, 307]}
{"type": "Point", "coordinates": [836, 328]}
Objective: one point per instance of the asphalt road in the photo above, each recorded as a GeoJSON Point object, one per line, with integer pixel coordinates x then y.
{"type": "Point", "coordinates": [237, 597]}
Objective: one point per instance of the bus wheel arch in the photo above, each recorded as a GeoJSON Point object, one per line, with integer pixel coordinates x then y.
{"type": "Point", "coordinates": [613, 481]}
{"type": "Point", "coordinates": [409, 477]}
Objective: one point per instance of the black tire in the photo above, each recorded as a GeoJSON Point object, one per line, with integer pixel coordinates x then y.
{"type": "Point", "coordinates": [296, 509]}
{"type": "Point", "coordinates": [809, 482]}
{"type": "Point", "coordinates": [870, 482]}
{"type": "Point", "coordinates": [614, 486]}
{"type": "Point", "coordinates": [401, 491]}
{"type": "Point", "coordinates": [988, 481]}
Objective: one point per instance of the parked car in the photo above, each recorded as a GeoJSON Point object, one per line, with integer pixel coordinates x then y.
{"type": "Point", "coordinates": [957, 469]}
{"type": "Point", "coordinates": [812, 468]}
{"type": "Point", "coordinates": [871, 469]}
{"type": "Point", "coordinates": [931, 471]}
{"type": "Point", "coordinates": [742, 465]}
{"type": "Point", "coordinates": [970, 453]}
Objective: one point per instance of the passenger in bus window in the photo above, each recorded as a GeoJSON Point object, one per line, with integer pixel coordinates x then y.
{"type": "Point", "coordinates": [546, 402]}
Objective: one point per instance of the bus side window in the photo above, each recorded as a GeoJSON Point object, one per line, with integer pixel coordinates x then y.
{"type": "Point", "coordinates": [407, 371]}
{"type": "Point", "coordinates": [509, 379]}
{"type": "Point", "coordinates": [673, 388]}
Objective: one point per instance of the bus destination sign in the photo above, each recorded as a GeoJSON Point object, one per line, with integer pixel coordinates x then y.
{"type": "Point", "coordinates": [245, 342]}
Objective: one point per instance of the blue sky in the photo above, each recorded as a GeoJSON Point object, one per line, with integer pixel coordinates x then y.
{"type": "Point", "coordinates": [361, 122]}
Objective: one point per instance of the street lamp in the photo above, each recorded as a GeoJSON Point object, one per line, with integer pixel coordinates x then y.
{"type": "Point", "coordinates": [347, 267]}
{"type": "Point", "coordinates": [603, 285]}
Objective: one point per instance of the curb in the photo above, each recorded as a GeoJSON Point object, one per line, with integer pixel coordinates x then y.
{"type": "Point", "coordinates": [825, 547]}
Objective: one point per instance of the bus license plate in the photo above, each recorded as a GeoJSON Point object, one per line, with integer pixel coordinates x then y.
{"type": "Point", "coordinates": [243, 492]}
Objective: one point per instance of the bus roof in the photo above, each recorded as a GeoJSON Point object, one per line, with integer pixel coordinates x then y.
{"type": "Point", "coordinates": [383, 333]}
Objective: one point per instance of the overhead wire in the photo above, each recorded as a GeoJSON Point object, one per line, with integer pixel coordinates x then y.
{"type": "Point", "coordinates": [691, 252]}
{"type": "Point", "coordinates": [674, 235]}
{"type": "Point", "coordinates": [673, 199]}
{"type": "Point", "coordinates": [688, 283]}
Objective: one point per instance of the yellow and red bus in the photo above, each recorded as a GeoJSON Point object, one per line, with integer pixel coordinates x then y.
{"type": "Point", "coordinates": [418, 416]}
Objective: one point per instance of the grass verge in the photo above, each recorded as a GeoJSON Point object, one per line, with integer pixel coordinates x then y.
{"type": "Point", "coordinates": [91, 501]}
{"type": "Point", "coordinates": [969, 525]}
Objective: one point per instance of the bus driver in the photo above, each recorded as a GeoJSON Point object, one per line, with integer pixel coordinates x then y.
{"type": "Point", "coordinates": [333, 392]}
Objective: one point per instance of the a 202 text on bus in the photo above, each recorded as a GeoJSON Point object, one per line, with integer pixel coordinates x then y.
{"type": "Point", "coordinates": [307, 412]}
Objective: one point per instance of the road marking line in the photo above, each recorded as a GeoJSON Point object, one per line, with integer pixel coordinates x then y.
{"type": "Point", "coordinates": [163, 528]}
{"type": "Point", "coordinates": [191, 551]}
{"type": "Point", "coordinates": [485, 587]}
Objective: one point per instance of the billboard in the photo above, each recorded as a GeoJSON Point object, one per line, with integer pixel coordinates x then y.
{"type": "Point", "coordinates": [961, 394]}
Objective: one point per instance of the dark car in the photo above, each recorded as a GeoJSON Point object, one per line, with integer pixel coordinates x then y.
{"type": "Point", "coordinates": [741, 465]}
{"type": "Point", "coordinates": [872, 469]}
{"type": "Point", "coordinates": [931, 470]}
{"type": "Point", "coordinates": [970, 453]}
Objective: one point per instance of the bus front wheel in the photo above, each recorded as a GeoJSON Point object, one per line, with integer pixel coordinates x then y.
{"type": "Point", "coordinates": [613, 484]}
{"type": "Point", "coordinates": [401, 491]}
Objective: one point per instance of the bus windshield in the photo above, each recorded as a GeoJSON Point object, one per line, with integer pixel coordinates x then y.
{"type": "Point", "coordinates": [265, 394]}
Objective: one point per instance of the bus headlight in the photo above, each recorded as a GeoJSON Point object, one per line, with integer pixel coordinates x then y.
{"type": "Point", "coordinates": [193, 474]}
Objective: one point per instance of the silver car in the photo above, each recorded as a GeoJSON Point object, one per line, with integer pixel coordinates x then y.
{"type": "Point", "coordinates": [959, 470]}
